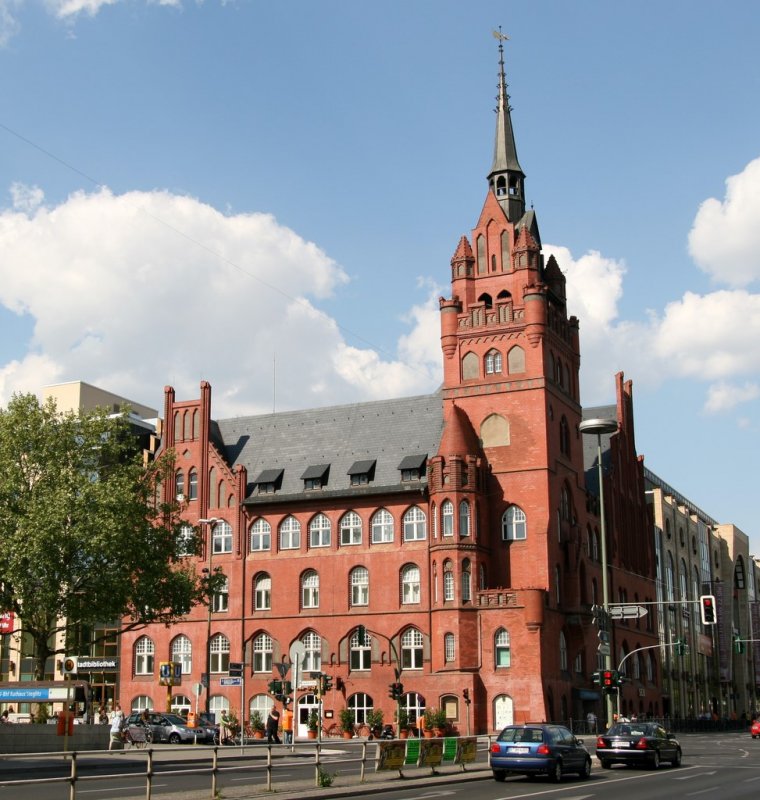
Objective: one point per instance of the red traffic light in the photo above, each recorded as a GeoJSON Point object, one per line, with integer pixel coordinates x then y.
{"type": "Point", "coordinates": [707, 609]}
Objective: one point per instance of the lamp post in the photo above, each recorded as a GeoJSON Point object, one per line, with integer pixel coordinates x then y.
{"type": "Point", "coordinates": [598, 427]}
{"type": "Point", "coordinates": [210, 522]}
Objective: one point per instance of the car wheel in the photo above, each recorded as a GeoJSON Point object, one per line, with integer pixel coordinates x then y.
{"type": "Point", "coordinates": [499, 775]}
{"type": "Point", "coordinates": [174, 738]}
{"type": "Point", "coordinates": [676, 762]}
{"type": "Point", "coordinates": [585, 771]}
{"type": "Point", "coordinates": [605, 764]}
{"type": "Point", "coordinates": [655, 762]}
{"type": "Point", "coordinates": [555, 774]}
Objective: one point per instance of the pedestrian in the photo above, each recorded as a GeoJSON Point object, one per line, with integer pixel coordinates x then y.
{"type": "Point", "coordinates": [273, 722]}
{"type": "Point", "coordinates": [4, 716]}
{"type": "Point", "coordinates": [117, 723]}
{"type": "Point", "coordinates": [287, 724]}
{"type": "Point", "coordinates": [224, 729]}
{"type": "Point", "coordinates": [591, 722]}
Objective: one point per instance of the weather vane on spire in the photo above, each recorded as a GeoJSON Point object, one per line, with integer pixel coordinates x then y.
{"type": "Point", "coordinates": [502, 37]}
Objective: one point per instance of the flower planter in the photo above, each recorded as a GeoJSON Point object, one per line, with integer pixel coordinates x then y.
{"type": "Point", "coordinates": [403, 734]}
{"type": "Point", "coordinates": [348, 734]}
{"type": "Point", "coordinates": [311, 734]}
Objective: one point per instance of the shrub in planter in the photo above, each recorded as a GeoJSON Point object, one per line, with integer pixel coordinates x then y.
{"type": "Point", "coordinates": [346, 717]}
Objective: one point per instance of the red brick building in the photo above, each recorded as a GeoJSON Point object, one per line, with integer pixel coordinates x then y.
{"type": "Point", "coordinates": [456, 528]}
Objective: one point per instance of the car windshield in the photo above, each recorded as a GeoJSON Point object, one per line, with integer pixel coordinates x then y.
{"type": "Point", "coordinates": [521, 735]}
{"type": "Point", "coordinates": [174, 719]}
{"type": "Point", "coordinates": [630, 729]}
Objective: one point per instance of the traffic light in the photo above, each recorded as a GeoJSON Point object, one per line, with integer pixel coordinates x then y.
{"type": "Point", "coordinates": [609, 680]}
{"type": "Point", "coordinates": [287, 688]}
{"type": "Point", "coordinates": [327, 683]}
{"type": "Point", "coordinates": [275, 688]}
{"type": "Point", "coordinates": [596, 677]}
{"type": "Point", "coordinates": [361, 635]}
{"type": "Point", "coordinates": [680, 647]}
{"type": "Point", "coordinates": [707, 609]}
{"type": "Point", "coordinates": [395, 690]}
{"type": "Point", "coordinates": [738, 645]}
{"type": "Point", "coordinates": [235, 669]}
{"type": "Point", "coordinates": [466, 696]}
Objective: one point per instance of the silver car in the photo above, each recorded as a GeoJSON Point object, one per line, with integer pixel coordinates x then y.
{"type": "Point", "coordinates": [167, 728]}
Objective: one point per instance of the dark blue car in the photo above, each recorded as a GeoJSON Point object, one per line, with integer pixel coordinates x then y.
{"type": "Point", "coordinates": [539, 749]}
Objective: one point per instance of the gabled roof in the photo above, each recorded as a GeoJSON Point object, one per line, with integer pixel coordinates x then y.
{"type": "Point", "coordinates": [383, 431]}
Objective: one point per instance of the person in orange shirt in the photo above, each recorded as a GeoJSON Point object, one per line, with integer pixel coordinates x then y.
{"type": "Point", "coordinates": [287, 724]}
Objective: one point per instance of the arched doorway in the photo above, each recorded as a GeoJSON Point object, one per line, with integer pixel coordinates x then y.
{"type": "Point", "coordinates": [304, 706]}
{"type": "Point", "coordinates": [503, 711]}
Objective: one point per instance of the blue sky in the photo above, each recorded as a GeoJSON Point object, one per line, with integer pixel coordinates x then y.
{"type": "Point", "coordinates": [295, 177]}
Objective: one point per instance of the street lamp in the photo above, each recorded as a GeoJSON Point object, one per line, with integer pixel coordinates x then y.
{"type": "Point", "coordinates": [598, 427]}
{"type": "Point", "coordinates": [210, 522]}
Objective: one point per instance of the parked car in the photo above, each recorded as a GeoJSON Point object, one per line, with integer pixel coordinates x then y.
{"type": "Point", "coordinates": [755, 728]}
{"type": "Point", "coordinates": [637, 743]}
{"type": "Point", "coordinates": [165, 727]}
{"type": "Point", "coordinates": [539, 749]}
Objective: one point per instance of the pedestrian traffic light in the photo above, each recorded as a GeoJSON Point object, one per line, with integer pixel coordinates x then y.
{"type": "Point", "coordinates": [275, 687]}
{"type": "Point", "coordinates": [680, 647]}
{"type": "Point", "coordinates": [609, 679]}
{"type": "Point", "coordinates": [596, 677]}
{"type": "Point", "coordinates": [707, 609]}
{"type": "Point", "coordinates": [327, 683]}
{"type": "Point", "coordinates": [738, 645]}
{"type": "Point", "coordinates": [287, 688]}
{"type": "Point", "coordinates": [466, 695]}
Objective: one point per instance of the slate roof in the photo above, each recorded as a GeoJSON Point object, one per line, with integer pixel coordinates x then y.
{"type": "Point", "coordinates": [384, 431]}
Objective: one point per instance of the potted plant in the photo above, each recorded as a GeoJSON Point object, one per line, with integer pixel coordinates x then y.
{"type": "Point", "coordinates": [435, 720]}
{"type": "Point", "coordinates": [375, 722]}
{"type": "Point", "coordinates": [312, 724]}
{"type": "Point", "coordinates": [257, 725]}
{"type": "Point", "coordinates": [346, 716]}
{"type": "Point", "coordinates": [403, 723]}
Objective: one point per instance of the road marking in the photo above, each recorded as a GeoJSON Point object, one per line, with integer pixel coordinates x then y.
{"type": "Point", "coordinates": [119, 789]}
{"type": "Point", "coordinates": [698, 775]}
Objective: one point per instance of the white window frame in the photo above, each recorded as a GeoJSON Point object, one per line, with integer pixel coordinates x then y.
{"type": "Point", "coordinates": [502, 648]}
{"type": "Point", "coordinates": [260, 535]}
{"type": "Point", "coordinates": [290, 534]}
{"type": "Point", "coordinates": [359, 586]}
{"type": "Point", "coordinates": [310, 589]}
{"type": "Point", "coordinates": [182, 652]}
{"type": "Point", "coordinates": [219, 654]}
{"type": "Point", "coordinates": [320, 531]}
{"type": "Point", "coordinates": [410, 584]}
{"type": "Point", "coordinates": [514, 525]}
{"type": "Point", "coordinates": [415, 525]}
{"type": "Point", "coordinates": [145, 652]}
{"type": "Point", "coordinates": [222, 538]}
{"type": "Point", "coordinates": [350, 529]}
{"type": "Point", "coordinates": [412, 649]}
{"type": "Point", "coordinates": [447, 518]}
{"type": "Point", "coordinates": [263, 647]}
{"type": "Point", "coordinates": [382, 526]}
{"type": "Point", "coordinates": [262, 592]}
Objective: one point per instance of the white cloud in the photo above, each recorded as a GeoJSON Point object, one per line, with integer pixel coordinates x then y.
{"type": "Point", "coordinates": [725, 396]}
{"type": "Point", "coordinates": [122, 287]}
{"type": "Point", "coordinates": [64, 9]}
{"type": "Point", "coordinates": [725, 237]}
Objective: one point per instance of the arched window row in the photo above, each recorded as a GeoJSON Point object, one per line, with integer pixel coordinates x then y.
{"type": "Point", "coordinates": [380, 527]}
{"type": "Point", "coordinates": [493, 363]}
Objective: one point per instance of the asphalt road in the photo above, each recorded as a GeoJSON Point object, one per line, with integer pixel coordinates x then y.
{"type": "Point", "coordinates": [720, 767]}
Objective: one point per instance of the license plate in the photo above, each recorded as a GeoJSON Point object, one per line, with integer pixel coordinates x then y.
{"type": "Point", "coordinates": [519, 749]}
{"type": "Point", "coordinates": [622, 744]}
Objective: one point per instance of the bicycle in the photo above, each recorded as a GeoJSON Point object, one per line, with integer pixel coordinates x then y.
{"type": "Point", "coordinates": [331, 731]}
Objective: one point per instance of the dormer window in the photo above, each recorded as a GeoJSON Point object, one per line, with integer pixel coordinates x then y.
{"type": "Point", "coordinates": [362, 472]}
{"type": "Point", "coordinates": [412, 468]}
{"type": "Point", "coordinates": [269, 481]}
{"type": "Point", "coordinates": [315, 477]}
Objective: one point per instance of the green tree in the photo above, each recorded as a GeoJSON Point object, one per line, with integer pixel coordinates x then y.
{"type": "Point", "coordinates": [84, 538]}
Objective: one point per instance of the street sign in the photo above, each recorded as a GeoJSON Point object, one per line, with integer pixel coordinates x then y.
{"type": "Point", "coordinates": [231, 681]}
{"type": "Point", "coordinates": [298, 653]}
{"type": "Point", "coordinates": [627, 612]}
{"type": "Point", "coordinates": [603, 649]}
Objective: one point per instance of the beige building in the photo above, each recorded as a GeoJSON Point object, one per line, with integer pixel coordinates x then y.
{"type": "Point", "coordinates": [81, 396]}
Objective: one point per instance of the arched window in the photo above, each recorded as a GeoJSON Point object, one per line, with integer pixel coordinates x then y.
{"type": "Point", "coordinates": [562, 652]}
{"type": "Point", "coordinates": [312, 661]}
{"type": "Point", "coordinates": [464, 518]}
{"type": "Point", "coordinates": [449, 647]}
{"type": "Point", "coordinates": [310, 589]}
{"type": "Point", "coordinates": [261, 535]}
{"type": "Point", "coordinates": [222, 537]}
{"type": "Point", "coordinates": [219, 650]}
{"type": "Point", "coordinates": [360, 586]}
{"type": "Point", "coordinates": [466, 581]}
{"type": "Point", "coordinates": [144, 655]}
{"type": "Point", "coordinates": [182, 653]}
{"type": "Point", "coordinates": [411, 649]}
{"type": "Point", "coordinates": [319, 531]}
{"type": "Point", "coordinates": [192, 488]}
{"type": "Point", "coordinates": [179, 484]}
{"type": "Point", "coordinates": [290, 534]}
{"type": "Point", "coordinates": [410, 584]}
{"type": "Point", "coordinates": [415, 524]}
{"type": "Point", "coordinates": [186, 541]}
{"type": "Point", "coordinates": [360, 657]}
{"type": "Point", "coordinates": [470, 366]}
{"type": "Point", "coordinates": [262, 592]}
{"type": "Point", "coordinates": [447, 518]}
{"type": "Point", "coordinates": [360, 704]}
{"type": "Point", "coordinates": [351, 529]}
{"type": "Point", "coordinates": [514, 526]}
{"type": "Point", "coordinates": [502, 648]}
{"type": "Point", "coordinates": [516, 360]}
{"type": "Point", "coordinates": [262, 653]}
{"type": "Point", "coordinates": [448, 581]}
{"type": "Point", "coordinates": [221, 598]}
{"type": "Point", "coordinates": [564, 436]}
{"type": "Point", "coordinates": [493, 362]}
{"type": "Point", "coordinates": [494, 432]}
{"type": "Point", "coordinates": [382, 527]}
{"type": "Point", "coordinates": [480, 247]}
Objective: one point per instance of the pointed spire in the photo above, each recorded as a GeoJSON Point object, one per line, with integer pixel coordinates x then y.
{"type": "Point", "coordinates": [506, 177]}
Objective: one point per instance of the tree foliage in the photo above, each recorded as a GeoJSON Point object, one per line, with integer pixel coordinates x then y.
{"type": "Point", "coordinates": [84, 539]}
